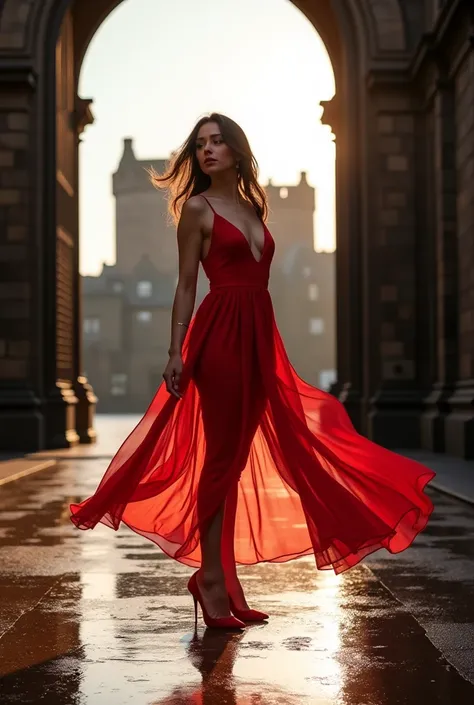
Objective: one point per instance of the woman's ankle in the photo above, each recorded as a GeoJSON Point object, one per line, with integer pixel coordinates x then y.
{"type": "Point", "coordinates": [211, 576]}
{"type": "Point", "coordinates": [231, 578]}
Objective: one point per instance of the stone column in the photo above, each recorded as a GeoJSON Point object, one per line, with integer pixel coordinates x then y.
{"type": "Point", "coordinates": [391, 387]}
{"type": "Point", "coordinates": [21, 422]}
{"type": "Point", "coordinates": [330, 117]}
{"type": "Point", "coordinates": [348, 235]}
{"type": "Point", "coordinates": [41, 387]}
{"type": "Point", "coordinates": [443, 206]}
{"type": "Point", "coordinates": [460, 422]}
{"type": "Point", "coordinates": [87, 400]}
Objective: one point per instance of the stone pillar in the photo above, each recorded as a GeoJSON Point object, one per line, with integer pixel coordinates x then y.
{"type": "Point", "coordinates": [43, 396]}
{"type": "Point", "coordinates": [391, 387]}
{"type": "Point", "coordinates": [460, 422]}
{"type": "Point", "coordinates": [330, 117]}
{"type": "Point", "coordinates": [21, 422]}
{"type": "Point", "coordinates": [87, 400]}
{"type": "Point", "coordinates": [348, 281]}
{"type": "Point", "coordinates": [443, 205]}
{"type": "Point", "coordinates": [59, 235]}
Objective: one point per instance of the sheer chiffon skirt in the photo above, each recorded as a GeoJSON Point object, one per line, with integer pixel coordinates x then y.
{"type": "Point", "coordinates": [306, 481]}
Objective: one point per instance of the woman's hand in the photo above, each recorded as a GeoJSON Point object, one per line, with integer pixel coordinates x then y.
{"type": "Point", "coordinates": [172, 374]}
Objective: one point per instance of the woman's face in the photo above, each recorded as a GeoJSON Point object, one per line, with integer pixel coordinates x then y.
{"type": "Point", "coordinates": [212, 153]}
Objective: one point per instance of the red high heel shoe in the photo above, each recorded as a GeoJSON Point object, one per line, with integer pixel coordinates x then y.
{"type": "Point", "coordinates": [215, 622]}
{"type": "Point", "coordinates": [247, 615]}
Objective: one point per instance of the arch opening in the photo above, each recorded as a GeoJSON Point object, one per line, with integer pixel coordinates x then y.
{"type": "Point", "coordinates": [66, 399]}
{"type": "Point", "coordinates": [309, 336]}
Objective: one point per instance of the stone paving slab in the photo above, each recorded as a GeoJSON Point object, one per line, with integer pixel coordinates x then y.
{"type": "Point", "coordinates": [15, 469]}
{"type": "Point", "coordinates": [101, 617]}
{"type": "Point", "coordinates": [434, 580]}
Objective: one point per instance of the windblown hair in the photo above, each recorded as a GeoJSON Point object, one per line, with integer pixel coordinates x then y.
{"type": "Point", "coordinates": [184, 177]}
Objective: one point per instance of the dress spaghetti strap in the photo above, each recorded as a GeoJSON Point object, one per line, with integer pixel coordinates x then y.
{"type": "Point", "coordinates": [208, 203]}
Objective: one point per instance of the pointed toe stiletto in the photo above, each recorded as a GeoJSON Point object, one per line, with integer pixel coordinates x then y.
{"type": "Point", "coordinates": [213, 622]}
{"type": "Point", "coordinates": [247, 615]}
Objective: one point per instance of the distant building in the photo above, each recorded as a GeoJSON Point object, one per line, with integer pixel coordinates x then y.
{"type": "Point", "coordinates": [127, 308]}
{"type": "Point", "coordinates": [302, 284]}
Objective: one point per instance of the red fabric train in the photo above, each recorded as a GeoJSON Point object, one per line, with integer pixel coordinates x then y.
{"type": "Point", "coordinates": [297, 477]}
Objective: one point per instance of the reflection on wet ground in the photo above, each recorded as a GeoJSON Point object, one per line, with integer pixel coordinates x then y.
{"type": "Point", "coordinates": [103, 617]}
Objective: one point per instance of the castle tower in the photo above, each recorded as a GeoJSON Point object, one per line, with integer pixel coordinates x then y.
{"type": "Point", "coordinates": [291, 217]}
{"type": "Point", "coordinates": [142, 226]}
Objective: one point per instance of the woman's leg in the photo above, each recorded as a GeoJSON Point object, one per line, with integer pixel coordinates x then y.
{"type": "Point", "coordinates": [221, 414]}
{"type": "Point", "coordinates": [218, 574]}
{"type": "Point", "coordinates": [231, 404]}
{"type": "Point", "coordinates": [232, 582]}
{"type": "Point", "coordinates": [211, 576]}
{"type": "Point", "coordinates": [218, 567]}
{"type": "Point", "coordinates": [234, 588]}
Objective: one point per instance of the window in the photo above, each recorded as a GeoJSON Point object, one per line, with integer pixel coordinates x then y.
{"type": "Point", "coordinates": [283, 192]}
{"type": "Point", "coordinates": [117, 287]}
{"type": "Point", "coordinates": [144, 316]}
{"type": "Point", "coordinates": [118, 384]}
{"type": "Point", "coordinates": [91, 326]}
{"type": "Point", "coordinates": [313, 292]}
{"type": "Point", "coordinates": [144, 289]}
{"type": "Point", "coordinates": [306, 272]}
{"type": "Point", "coordinates": [316, 326]}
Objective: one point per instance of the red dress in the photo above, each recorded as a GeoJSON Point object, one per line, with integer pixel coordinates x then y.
{"type": "Point", "coordinates": [296, 476]}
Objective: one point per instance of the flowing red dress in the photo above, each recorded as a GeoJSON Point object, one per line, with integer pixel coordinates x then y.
{"type": "Point", "coordinates": [302, 479]}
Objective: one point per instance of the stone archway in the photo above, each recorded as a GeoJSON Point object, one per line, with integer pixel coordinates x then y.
{"type": "Point", "coordinates": [44, 401]}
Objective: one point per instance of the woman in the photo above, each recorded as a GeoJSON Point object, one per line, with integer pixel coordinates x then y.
{"type": "Point", "coordinates": [237, 459]}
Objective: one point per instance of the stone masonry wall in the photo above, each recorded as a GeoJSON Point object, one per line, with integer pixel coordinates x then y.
{"type": "Point", "coordinates": [392, 251]}
{"type": "Point", "coordinates": [13, 23]}
{"type": "Point", "coordinates": [16, 265]}
{"type": "Point", "coordinates": [465, 213]}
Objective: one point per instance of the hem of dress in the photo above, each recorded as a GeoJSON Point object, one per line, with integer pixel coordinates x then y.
{"type": "Point", "coordinates": [339, 566]}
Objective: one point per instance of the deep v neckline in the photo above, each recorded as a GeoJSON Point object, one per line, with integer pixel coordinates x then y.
{"type": "Point", "coordinates": [247, 242]}
{"type": "Point", "coordinates": [218, 215]}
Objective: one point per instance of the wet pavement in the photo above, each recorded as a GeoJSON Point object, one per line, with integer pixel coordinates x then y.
{"type": "Point", "coordinates": [99, 618]}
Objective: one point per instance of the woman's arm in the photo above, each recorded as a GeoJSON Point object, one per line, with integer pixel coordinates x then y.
{"type": "Point", "coordinates": [189, 250]}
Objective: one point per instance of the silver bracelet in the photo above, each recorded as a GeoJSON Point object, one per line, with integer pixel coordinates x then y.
{"type": "Point", "coordinates": [186, 325]}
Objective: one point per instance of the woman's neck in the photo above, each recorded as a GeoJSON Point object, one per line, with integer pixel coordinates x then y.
{"type": "Point", "coordinates": [225, 186]}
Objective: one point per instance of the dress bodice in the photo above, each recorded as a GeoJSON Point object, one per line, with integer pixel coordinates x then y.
{"type": "Point", "coordinates": [230, 260]}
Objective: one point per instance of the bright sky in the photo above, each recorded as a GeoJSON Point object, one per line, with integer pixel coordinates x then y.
{"type": "Point", "coordinates": [155, 66]}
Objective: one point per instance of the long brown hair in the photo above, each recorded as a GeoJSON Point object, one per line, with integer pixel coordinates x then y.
{"type": "Point", "coordinates": [184, 177]}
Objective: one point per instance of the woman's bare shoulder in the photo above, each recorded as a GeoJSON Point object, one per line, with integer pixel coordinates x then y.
{"type": "Point", "coordinates": [195, 205]}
